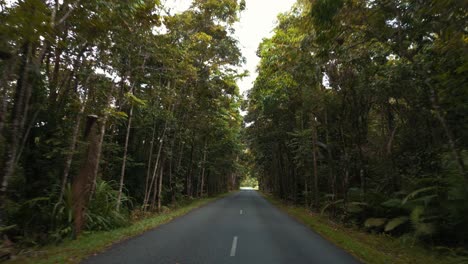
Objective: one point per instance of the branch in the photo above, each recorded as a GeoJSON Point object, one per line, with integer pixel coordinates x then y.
{"type": "Point", "coordinates": [67, 14]}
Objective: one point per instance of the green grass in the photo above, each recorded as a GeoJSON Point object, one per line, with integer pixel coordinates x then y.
{"type": "Point", "coordinates": [73, 251]}
{"type": "Point", "coordinates": [368, 248]}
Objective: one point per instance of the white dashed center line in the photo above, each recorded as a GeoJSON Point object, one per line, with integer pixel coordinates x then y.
{"type": "Point", "coordinates": [234, 247]}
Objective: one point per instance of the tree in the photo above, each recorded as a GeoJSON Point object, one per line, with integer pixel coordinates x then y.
{"type": "Point", "coordinates": [347, 114]}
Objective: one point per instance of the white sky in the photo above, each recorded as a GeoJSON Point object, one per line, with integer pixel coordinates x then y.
{"type": "Point", "coordinates": [256, 23]}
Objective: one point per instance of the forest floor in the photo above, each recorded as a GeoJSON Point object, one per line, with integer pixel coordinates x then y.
{"type": "Point", "coordinates": [74, 251]}
{"type": "Point", "coordinates": [367, 247]}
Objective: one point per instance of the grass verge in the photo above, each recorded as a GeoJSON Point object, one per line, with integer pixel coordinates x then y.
{"type": "Point", "coordinates": [74, 251]}
{"type": "Point", "coordinates": [368, 248]}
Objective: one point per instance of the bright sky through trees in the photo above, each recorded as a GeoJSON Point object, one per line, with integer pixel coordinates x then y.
{"type": "Point", "coordinates": [256, 23]}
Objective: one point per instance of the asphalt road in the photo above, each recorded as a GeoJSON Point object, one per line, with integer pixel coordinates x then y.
{"type": "Point", "coordinates": [241, 228]}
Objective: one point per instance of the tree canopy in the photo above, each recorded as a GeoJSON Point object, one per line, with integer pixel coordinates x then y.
{"type": "Point", "coordinates": [359, 111]}
{"type": "Point", "coordinates": [112, 106]}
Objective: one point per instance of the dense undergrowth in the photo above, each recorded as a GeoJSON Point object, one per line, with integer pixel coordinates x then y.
{"type": "Point", "coordinates": [94, 241]}
{"type": "Point", "coordinates": [110, 110]}
{"type": "Point", "coordinates": [369, 246]}
{"type": "Point", "coordinates": [359, 112]}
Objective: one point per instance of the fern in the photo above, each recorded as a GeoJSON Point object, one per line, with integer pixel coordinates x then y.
{"type": "Point", "coordinates": [6, 228]}
{"type": "Point", "coordinates": [417, 192]}
{"type": "Point", "coordinates": [102, 213]}
{"type": "Point", "coordinates": [421, 228]}
{"type": "Point", "coordinates": [355, 207]}
{"type": "Point", "coordinates": [392, 203]}
{"type": "Point", "coordinates": [375, 222]}
{"type": "Point", "coordinates": [395, 222]}
{"type": "Point", "coordinates": [330, 204]}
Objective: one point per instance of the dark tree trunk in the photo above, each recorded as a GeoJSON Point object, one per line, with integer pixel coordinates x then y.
{"type": "Point", "coordinates": [81, 187]}
{"type": "Point", "coordinates": [17, 119]}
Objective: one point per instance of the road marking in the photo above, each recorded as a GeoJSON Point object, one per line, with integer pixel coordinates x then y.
{"type": "Point", "coordinates": [234, 247]}
{"type": "Point", "coordinates": [240, 211]}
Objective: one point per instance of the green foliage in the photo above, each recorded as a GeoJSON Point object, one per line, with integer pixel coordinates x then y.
{"type": "Point", "coordinates": [370, 247]}
{"type": "Point", "coordinates": [63, 216]}
{"type": "Point", "coordinates": [375, 86]}
{"type": "Point", "coordinates": [249, 182]}
{"type": "Point", "coordinates": [329, 204]}
{"type": "Point", "coordinates": [323, 11]}
{"type": "Point", "coordinates": [375, 222]}
{"type": "Point", "coordinates": [135, 100]}
{"type": "Point", "coordinates": [162, 87]}
{"type": "Point", "coordinates": [395, 222]}
{"type": "Point", "coordinates": [102, 213]}
{"type": "Point", "coordinates": [74, 251]}
{"type": "Point", "coordinates": [415, 193]}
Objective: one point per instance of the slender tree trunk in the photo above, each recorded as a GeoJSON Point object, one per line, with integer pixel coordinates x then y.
{"type": "Point", "coordinates": [202, 180]}
{"type": "Point", "coordinates": [55, 76]}
{"type": "Point", "coordinates": [179, 163]}
{"type": "Point", "coordinates": [102, 133]}
{"type": "Point", "coordinates": [4, 99]}
{"type": "Point", "coordinates": [388, 153]}
{"type": "Point", "coordinates": [161, 173]}
{"type": "Point", "coordinates": [155, 193]}
{"type": "Point", "coordinates": [16, 119]}
{"type": "Point", "coordinates": [171, 159]}
{"type": "Point", "coordinates": [124, 162]}
{"type": "Point", "coordinates": [188, 180]}
{"type": "Point", "coordinates": [171, 186]}
{"type": "Point", "coordinates": [331, 163]}
{"type": "Point", "coordinates": [127, 136]}
{"type": "Point", "coordinates": [306, 191]}
{"type": "Point", "coordinates": [448, 133]}
{"type": "Point", "coordinates": [145, 202]}
{"type": "Point", "coordinates": [314, 159]}
{"type": "Point", "coordinates": [26, 136]}
{"type": "Point", "coordinates": [71, 152]}
{"type": "Point", "coordinates": [150, 159]}
{"type": "Point", "coordinates": [345, 182]}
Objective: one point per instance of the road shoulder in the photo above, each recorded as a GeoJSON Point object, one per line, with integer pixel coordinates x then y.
{"type": "Point", "coordinates": [74, 251]}
{"type": "Point", "coordinates": [366, 247]}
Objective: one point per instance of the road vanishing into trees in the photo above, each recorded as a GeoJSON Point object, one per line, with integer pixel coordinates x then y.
{"type": "Point", "coordinates": [241, 228]}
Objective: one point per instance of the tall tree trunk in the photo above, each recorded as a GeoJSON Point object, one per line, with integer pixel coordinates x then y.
{"type": "Point", "coordinates": [71, 152]}
{"type": "Point", "coordinates": [331, 163]}
{"type": "Point", "coordinates": [127, 136]}
{"type": "Point", "coordinates": [388, 153]}
{"type": "Point", "coordinates": [55, 76]}
{"type": "Point", "coordinates": [188, 180]}
{"type": "Point", "coordinates": [153, 178]}
{"type": "Point", "coordinates": [306, 192]}
{"type": "Point", "coordinates": [102, 133]}
{"type": "Point", "coordinates": [155, 193]}
{"type": "Point", "coordinates": [314, 159]}
{"type": "Point", "coordinates": [173, 181]}
{"type": "Point", "coordinates": [171, 185]}
{"type": "Point", "coordinates": [448, 133]}
{"type": "Point", "coordinates": [202, 180]}
{"type": "Point", "coordinates": [161, 173]}
{"type": "Point", "coordinates": [16, 119]}
{"type": "Point", "coordinates": [171, 159]}
{"type": "Point", "coordinates": [4, 96]}
{"type": "Point", "coordinates": [81, 187]}
{"type": "Point", "coordinates": [124, 162]}
{"type": "Point", "coordinates": [345, 182]}
{"type": "Point", "coordinates": [150, 162]}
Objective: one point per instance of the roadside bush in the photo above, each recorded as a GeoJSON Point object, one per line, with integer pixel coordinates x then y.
{"type": "Point", "coordinates": [43, 220]}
